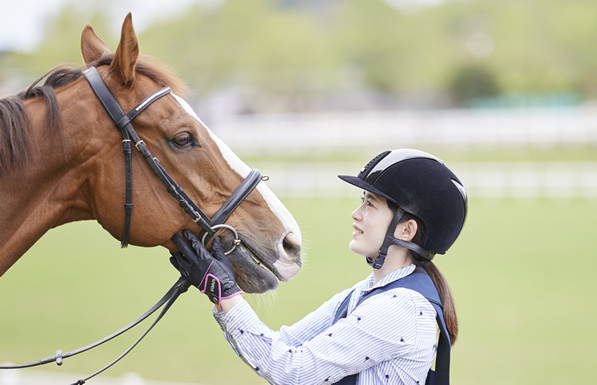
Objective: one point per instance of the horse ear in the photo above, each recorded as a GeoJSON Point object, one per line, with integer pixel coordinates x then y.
{"type": "Point", "coordinates": [127, 53]}
{"type": "Point", "coordinates": [92, 47]}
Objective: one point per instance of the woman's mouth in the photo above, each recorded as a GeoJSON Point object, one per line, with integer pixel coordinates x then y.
{"type": "Point", "coordinates": [357, 230]}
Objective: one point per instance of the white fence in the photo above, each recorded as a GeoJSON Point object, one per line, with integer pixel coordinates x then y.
{"type": "Point", "coordinates": [481, 179]}
{"type": "Point", "coordinates": [369, 133]}
{"type": "Point", "coordinates": [253, 134]}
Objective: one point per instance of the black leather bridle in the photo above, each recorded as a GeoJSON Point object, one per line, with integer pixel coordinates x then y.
{"type": "Point", "coordinates": [209, 225]}
{"type": "Point", "coordinates": [123, 123]}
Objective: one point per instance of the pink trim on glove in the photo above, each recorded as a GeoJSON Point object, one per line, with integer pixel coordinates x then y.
{"type": "Point", "coordinates": [204, 279]}
{"type": "Point", "coordinates": [233, 295]}
{"type": "Point", "coordinates": [219, 287]}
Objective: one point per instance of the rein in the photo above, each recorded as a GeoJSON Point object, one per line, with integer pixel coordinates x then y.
{"type": "Point", "coordinates": [172, 295]}
{"type": "Point", "coordinates": [209, 225]}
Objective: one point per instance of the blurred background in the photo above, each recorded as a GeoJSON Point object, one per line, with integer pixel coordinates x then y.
{"type": "Point", "coordinates": [503, 91]}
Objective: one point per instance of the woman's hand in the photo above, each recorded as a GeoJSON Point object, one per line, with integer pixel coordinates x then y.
{"type": "Point", "coordinates": [211, 273]}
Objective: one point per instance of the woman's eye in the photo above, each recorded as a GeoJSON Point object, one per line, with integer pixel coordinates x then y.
{"type": "Point", "coordinates": [183, 140]}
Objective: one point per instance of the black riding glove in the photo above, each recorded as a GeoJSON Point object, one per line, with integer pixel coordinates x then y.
{"type": "Point", "coordinates": [211, 273]}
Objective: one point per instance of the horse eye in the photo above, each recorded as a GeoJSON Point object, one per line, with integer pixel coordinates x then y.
{"type": "Point", "coordinates": [183, 140]}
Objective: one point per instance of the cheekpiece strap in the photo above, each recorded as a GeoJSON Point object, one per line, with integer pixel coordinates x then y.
{"type": "Point", "coordinates": [123, 123]}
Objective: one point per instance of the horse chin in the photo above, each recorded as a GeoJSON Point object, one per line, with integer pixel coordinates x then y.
{"type": "Point", "coordinates": [252, 275]}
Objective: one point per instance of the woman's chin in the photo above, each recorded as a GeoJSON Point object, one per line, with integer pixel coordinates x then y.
{"type": "Point", "coordinates": [354, 247]}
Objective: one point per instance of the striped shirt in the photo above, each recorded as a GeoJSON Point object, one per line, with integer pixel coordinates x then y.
{"type": "Point", "coordinates": [389, 339]}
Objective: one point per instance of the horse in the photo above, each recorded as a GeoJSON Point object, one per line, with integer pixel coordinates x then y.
{"type": "Point", "coordinates": [61, 161]}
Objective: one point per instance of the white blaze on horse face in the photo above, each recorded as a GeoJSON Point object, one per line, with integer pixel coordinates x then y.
{"type": "Point", "coordinates": [284, 265]}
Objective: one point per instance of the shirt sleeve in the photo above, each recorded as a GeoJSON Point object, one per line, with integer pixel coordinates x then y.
{"type": "Point", "coordinates": [307, 328]}
{"type": "Point", "coordinates": [314, 323]}
{"type": "Point", "coordinates": [381, 328]}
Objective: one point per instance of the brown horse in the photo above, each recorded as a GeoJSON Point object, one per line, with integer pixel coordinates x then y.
{"type": "Point", "coordinates": [61, 161]}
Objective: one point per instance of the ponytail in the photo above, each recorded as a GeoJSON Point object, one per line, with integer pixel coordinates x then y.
{"type": "Point", "coordinates": [446, 297]}
{"type": "Point", "coordinates": [440, 282]}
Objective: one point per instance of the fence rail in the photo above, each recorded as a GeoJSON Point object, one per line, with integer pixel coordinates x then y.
{"type": "Point", "coordinates": [497, 128]}
{"type": "Point", "coordinates": [481, 179]}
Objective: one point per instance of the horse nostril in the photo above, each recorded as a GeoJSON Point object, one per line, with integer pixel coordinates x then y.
{"type": "Point", "coordinates": [289, 257]}
{"type": "Point", "coordinates": [292, 246]}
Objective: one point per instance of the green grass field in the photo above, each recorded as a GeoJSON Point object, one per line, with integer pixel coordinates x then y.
{"type": "Point", "coordinates": [521, 273]}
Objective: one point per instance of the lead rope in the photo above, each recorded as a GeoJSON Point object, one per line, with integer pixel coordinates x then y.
{"type": "Point", "coordinates": [172, 295]}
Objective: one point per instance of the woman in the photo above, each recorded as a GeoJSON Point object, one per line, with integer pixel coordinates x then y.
{"type": "Point", "coordinates": [382, 330]}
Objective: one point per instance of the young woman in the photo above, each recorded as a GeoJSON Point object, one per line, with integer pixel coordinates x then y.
{"type": "Point", "coordinates": [383, 330]}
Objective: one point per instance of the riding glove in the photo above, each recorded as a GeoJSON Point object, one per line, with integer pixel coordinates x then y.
{"type": "Point", "coordinates": [211, 273]}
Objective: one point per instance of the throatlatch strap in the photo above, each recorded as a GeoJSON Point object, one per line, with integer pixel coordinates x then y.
{"type": "Point", "coordinates": [420, 282]}
{"type": "Point", "coordinates": [128, 203]}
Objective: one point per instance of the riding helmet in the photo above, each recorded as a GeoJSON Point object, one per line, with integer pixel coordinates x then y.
{"type": "Point", "coordinates": [422, 185]}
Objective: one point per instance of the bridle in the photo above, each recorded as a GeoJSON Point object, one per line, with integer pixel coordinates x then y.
{"type": "Point", "coordinates": [123, 123]}
{"type": "Point", "coordinates": [209, 225]}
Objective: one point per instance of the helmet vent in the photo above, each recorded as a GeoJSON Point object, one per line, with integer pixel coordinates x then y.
{"type": "Point", "coordinates": [365, 170]}
{"type": "Point", "coordinates": [461, 190]}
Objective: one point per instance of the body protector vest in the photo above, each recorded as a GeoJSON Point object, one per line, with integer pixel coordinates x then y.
{"type": "Point", "coordinates": [420, 282]}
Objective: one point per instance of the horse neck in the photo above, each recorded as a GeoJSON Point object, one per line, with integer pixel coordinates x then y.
{"type": "Point", "coordinates": [49, 189]}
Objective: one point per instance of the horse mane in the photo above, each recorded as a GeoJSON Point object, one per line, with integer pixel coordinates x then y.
{"type": "Point", "coordinates": [15, 133]}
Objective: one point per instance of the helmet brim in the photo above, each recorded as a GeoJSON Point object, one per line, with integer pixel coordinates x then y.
{"type": "Point", "coordinates": [358, 182]}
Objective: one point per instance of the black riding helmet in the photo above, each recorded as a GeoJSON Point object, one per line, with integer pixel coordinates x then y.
{"type": "Point", "coordinates": [419, 184]}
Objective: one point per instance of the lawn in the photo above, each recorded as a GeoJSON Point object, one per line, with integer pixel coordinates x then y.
{"type": "Point", "coordinates": [521, 274]}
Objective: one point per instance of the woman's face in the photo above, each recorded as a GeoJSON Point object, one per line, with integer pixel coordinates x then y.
{"type": "Point", "coordinates": [371, 221]}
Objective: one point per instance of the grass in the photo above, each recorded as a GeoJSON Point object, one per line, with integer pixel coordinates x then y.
{"type": "Point", "coordinates": [521, 274]}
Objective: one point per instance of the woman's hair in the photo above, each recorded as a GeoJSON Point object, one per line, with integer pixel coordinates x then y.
{"type": "Point", "coordinates": [435, 274]}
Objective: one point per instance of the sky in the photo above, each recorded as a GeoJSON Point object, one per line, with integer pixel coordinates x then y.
{"type": "Point", "coordinates": [21, 21]}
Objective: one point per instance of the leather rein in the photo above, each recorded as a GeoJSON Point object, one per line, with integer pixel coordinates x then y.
{"type": "Point", "coordinates": [209, 225]}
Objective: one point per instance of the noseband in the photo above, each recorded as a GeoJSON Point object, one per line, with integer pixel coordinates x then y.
{"type": "Point", "coordinates": [123, 123]}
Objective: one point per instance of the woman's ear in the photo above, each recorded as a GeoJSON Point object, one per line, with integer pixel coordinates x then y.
{"type": "Point", "coordinates": [407, 230]}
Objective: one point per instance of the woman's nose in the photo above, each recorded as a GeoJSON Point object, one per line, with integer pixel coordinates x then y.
{"type": "Point", "coordinates": [356, 215]}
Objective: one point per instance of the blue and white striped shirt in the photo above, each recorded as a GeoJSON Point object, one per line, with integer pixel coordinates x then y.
{"type": "Point", "coordinates": [389, 339]}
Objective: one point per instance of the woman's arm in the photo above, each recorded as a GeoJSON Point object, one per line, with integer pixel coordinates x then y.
{"type": "Point", "coordinates": [304, 330]}
{"type": "Point", "coordinates": [229, 303]}
{"type": "Point", "coordinates": [380, 329]}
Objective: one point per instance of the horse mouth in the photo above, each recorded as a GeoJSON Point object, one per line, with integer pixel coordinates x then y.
{"type": "Point", "coordinates": [254, 272]}
{"type": "Point", "coordinates": [262, 264]}
{"type": "Point", "coordinates": [257, 261]}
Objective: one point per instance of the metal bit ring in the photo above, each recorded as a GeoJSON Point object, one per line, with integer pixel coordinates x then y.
{"type": "Point", "coordinates": [235, 243]}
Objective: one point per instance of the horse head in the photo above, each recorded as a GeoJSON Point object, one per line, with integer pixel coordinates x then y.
{"type": "Point", "coordinates": [209, 172]}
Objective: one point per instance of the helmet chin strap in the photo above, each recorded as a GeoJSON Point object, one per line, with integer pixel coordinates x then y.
{"type": "Point", "coordinates": [390, 240]}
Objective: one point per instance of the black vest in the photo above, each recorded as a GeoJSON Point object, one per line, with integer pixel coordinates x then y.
{"type": "Point", "coordinates": [420, 282]}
